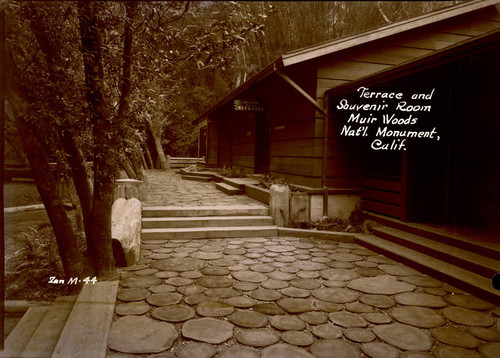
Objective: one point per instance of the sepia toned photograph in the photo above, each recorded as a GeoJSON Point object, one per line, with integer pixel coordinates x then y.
{"type": "Point", "coordinates": [250, 179]}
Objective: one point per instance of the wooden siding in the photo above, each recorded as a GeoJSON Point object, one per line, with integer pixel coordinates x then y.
{"type": "Point", "coordinates": [243, 145]}
{"type": "Point", "coordinates": [382, 195]}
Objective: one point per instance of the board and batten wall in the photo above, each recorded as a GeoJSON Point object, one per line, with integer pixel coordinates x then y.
{"type": "Point", "coordinates": [343, 168]}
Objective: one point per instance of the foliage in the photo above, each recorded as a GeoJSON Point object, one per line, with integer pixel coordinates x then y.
{"type": "Point", "coordinates": [194, 168]}
{"type": "Point", "coordinates": [232, 172]}
{"type": "Point", "coordinates": [28, 269]}
{"type": "Point", "coordinates": [267, 180]}
{"type": "Point", "coordinates": [356, 223]}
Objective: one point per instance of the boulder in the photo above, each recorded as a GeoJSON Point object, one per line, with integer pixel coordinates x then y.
{"type": "Point", "coordinates": [126, 228]}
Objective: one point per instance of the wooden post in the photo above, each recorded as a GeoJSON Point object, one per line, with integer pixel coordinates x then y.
{"type": "Point", "coordinates": [325, 156]}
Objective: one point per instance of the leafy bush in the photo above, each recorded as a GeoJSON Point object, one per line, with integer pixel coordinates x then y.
{"type": "Point", "coordinates": [356, 224]}
{"type": "Point", "coordinates": [268, 180]}
{"type": "Point", "coordinates": [194, 168]}
{"type": "Point", "coordinates": [230, 172]}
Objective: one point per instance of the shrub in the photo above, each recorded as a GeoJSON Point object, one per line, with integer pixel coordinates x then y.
{"type": "Point", "coordinates": [230, 172]}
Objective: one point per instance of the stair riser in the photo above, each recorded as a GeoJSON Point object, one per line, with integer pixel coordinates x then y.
{"type": "Point", "coordinates": [440, 255]}
{"type": "Point", "coordinates": [481, 250]}
{"type": "Point", "coordinates": [234, 185]}
{"type": "Point", "coordinates": [230, 191]}
{"type": "Point", "coordinates": [196, 178]}
{"type": "Point", "coordinates": [439, 275]}
{"type": "Point", "coordinates": [198, 223]}
{"type": "Point", "coordinates": [209, 234]}
{"type": "Point", "coordinates": [204, 212]}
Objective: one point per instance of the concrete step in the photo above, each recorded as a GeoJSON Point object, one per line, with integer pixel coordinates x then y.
{"type": "Point", "coordinates": [22, 333]}
{"type": "Point", "coordinates": [46, 336]}
{"type": "Point", "coordinates": [193, 211]}
{"type": "Point", "coordinates": [206, 221]}
{"type": "Point", "coordinates": [481, 246]}
{"type": "Point", "coordinates": [208, 233]}
{"type": "Point", "coordinates": [196, 178]}
{"type": "Point", "coordinates": [443, 271]}
{"type": "Point", "coordinates": [484, 266]}
{"type": "Point", "coordinates": [203, 173]}
{"type": "Point", "coordinates": [229, 189]}
{"type": "Point", "coordinates": [240, 183]}
{"type": "Point", "coordinates": [86, 331]}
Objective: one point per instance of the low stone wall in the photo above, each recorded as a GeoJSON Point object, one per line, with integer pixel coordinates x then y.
{"type": "Point", "coordinates": [129, 188]}
{"type": "Point", "coordinates": [126, 230]}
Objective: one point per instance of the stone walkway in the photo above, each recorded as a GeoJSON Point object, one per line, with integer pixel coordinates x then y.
{"type": "Point", "coordinates": [289, 297]}
{"type": "Point", "coordinates": [165, 188]}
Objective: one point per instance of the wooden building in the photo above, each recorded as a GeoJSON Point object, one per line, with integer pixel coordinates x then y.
{"type": "Point", "coordinates": [288, 120]}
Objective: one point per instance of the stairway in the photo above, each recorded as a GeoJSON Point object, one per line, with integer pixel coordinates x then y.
{"type": "Point", "coordinates": [73, 326]}
{"type": "Point", "coordinates": [165, 223]}
{"type": "Point", "coordinates": [235, 186]}
{"type": "Point", "coordinates": [203, 176]}
{"type": "Point", "coordinates": [456, 259]}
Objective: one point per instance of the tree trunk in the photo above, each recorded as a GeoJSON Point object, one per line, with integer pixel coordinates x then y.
{"type": "Point", "coordinates": [105, 142]}
{"type": "Point", "coordinates": [67, 240]}
{"type": "Point", "coordinates": [148, 157]}
{"type": "Point", "coordinates": [162, 160]}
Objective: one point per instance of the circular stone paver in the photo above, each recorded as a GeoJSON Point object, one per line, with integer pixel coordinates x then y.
{"type": "Point", "coordinates": [132, 309]}
{"type": "Point", "coordinates": [287, 323]}
{"type": "Point", "coordinates": [191, 290]}
{"type": "Point", "coordinates": [296, 292]}
{"type": "Point", "coordinates": [274, 284]}
{"type": "Point", "coordinates": [454, 352]}
{"type": "Point", "coordinates": [309, 265]}
{"type": "Point", "coordinates": [280, 248]}
{"type": "Point", "coordinates": [162, 288]}
{"type": "Point", "coordinates": [140, 281]}
{"type": "Point", "coordinates": [175, 313]}
{"type": "Point", "coordinates": [257, 337]}
{"type": "Point", "coordinates": [209, 330]}
{"type": "Point", "coordinates": [196, 349]}
{"type": "Point", "coordinates": [399, 270]}
{"type": "Point", "coordinates": [379, 301]}
{"type": "Point", "coordinates": [264, 294]}
{"type": "Point", "coordinates": [279, 275]}
{"type": "Point", "coordinates": [193, 300]}
{"type": "Point", "coordinates": [379, 350]}
{"type": "Point", "coordinates": [215, 271]}
{"type": "Point", "coordinates": [306, 283]}
{"type": "Point", "coordinates": [455, 337]}
{"type": "Point", "coordinates": [336, 295]}
{"type": "Point", "coordinates": [338, 274]}
{"type": "Point", "coordinates": [417, 316]}
{"type": "Point", "coordinates": [262, 268]}
{"type": "Point", "coordinates": [146, 272]}
{"type": "Point", "coordinates": [486, 334]}
{"type": "Point", "coordinates": [139, 334]}
{"type": "Point", "coordinates": [403, 336]}
{"type": "Point", "coordinates": [383, 284]}
{"type": "Point", "coordinates": [269, 308]}
{"type": "Point", "coordinates": [328, 348]}
{"type": "Point", "coordinates": [240, 352]}
{"type": "Point", "coordinates": [297, 338]}
{"type": "Point", "coordinates": [420, 299]}
{"type": "Point", "coordinates": [421, 280]}
{"type": "Point", "coordinates": [314, 317]}
{"type": "Point", "coordinates": [285, 350]}
{"type": "Point", "coordinates": [164, 299]}
{"type": "Point", "coordinates": [327, 331]}
{"type": "Point", "coordinates": [467, 317]}
{"type": "Point", "coordinates": [359, 335]}
{"type": "Point", "coordinates": [297, 305]}
{"type": "Point", "coordinates": [179, 264]}
{"type": "Point", "coordinates": [248, 319]}
{"type": "Point", "coordinates": [345, 257]}
{"type": "Point", "coordinates": [206, 255]}
{"type": "Point", "coordinates": [133, 294]}
{"type": "Point", "coordinates": [166, 274]}
{"type": "Point", "coordinates": [245, 286]}
{"type": "Point", "coordinates": [224, 292]}
{"type": "Point", "coordinates": [347, 319]}
{"type": "Point", "coordinates": [214, 281]}
{"type": "Point", "coordinates": [470, 302]}
{"type": "Point", "coordinates": [214, 309]}
{"type": "Point", "coordinates": [179, 281]}
{"type": "Point", "coordinates": [490, 350]}
{"type": "Point", "coordinates": [377, 318]}
{"type": "Point", "coordinates": [240, 301]}
{"type": "Point", "coordinates": [357, 307]}
{"type": "Point", "coordinates": [249, 276]}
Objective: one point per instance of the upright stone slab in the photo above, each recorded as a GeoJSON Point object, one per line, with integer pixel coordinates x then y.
{"type": "Point", "coordinates": [126, 227]}
{"type": "Point", "coordinates": [279, 204]}
{"type": "Point", "coordinates": [299, 207]}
